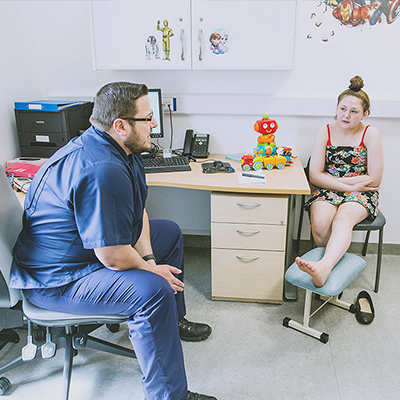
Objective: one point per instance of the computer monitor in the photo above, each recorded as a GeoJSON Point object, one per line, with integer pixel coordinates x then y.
{"type": "Point", "coordinates": [156, 105]}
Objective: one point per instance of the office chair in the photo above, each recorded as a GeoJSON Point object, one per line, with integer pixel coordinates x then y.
{"type": "Point", "coordinates": [63, 330]}
{"type": "Point", "coordinates": [366, 225]}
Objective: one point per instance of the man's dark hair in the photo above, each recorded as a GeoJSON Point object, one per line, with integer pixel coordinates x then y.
{"type": "Point", "coordinates": [116, 100]}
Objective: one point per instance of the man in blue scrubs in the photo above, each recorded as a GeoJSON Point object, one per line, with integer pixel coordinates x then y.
{"type": "Point", "coordinates": [87, 245]}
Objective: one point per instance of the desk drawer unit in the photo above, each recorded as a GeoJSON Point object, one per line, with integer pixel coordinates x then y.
{"type": "Point", "coordinates": [247, 275]}
{"type": "Point", "coordinates": [248, 240]}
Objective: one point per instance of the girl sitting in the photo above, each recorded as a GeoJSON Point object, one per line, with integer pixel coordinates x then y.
{"type": "Point", "coordinates": [346, 169]}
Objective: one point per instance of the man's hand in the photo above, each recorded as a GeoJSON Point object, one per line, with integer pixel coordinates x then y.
{"type": "Point", "coordinates": [167, 271]}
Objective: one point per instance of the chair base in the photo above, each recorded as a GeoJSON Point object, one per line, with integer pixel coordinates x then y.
{"type": "Point", "coordinates": [304, 327]}
{"type": "Point", "coordinates": [8, 336]}
{"type": "Point", "coordinates": [71, 341]}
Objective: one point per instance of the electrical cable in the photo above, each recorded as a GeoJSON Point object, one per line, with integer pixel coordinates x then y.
{"type": "Point", "coordinates": [171, 125]}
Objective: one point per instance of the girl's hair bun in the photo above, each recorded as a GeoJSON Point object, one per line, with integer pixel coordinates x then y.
{"type": "Point", "coordinates": [356, 83]}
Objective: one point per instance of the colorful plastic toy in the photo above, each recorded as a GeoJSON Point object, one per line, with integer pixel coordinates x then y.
{"type": "Point", "coordinates": [250, 162]}
{"type": "Point", "coordinates": [247, 162]}
{"type": "Point", "coordinates": [266, 125]}
{"type": "Point", "coordinates": [285, 152]}
{"type": "Point", "coordinates": [266, 141]}
{"type": "Point", "coordinates": [266, 154]}
{"type": "Point", "coordinates": [275, 161]}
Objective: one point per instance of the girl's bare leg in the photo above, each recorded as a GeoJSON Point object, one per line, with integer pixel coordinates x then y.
{"type": "Point", "coordinates": [322, 215]}
{"type": "Point", "coordinates": [346, 216]}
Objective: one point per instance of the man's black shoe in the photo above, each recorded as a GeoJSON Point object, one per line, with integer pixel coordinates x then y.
{"type": "Point", "coordinates": [196, 396]}
{"type": "Point", "coordinates": [193, 332]}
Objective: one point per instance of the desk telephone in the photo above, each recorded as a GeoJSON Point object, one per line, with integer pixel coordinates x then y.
{"type": "Point", "coordinates": [196, 145]}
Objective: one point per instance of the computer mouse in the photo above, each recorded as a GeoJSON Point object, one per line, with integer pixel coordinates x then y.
{"type": "Point", "coordinates": [218, 164]}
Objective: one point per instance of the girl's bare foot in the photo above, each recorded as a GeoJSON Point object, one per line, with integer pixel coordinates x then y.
{"type": "Point", "coordinates": [316, 269]}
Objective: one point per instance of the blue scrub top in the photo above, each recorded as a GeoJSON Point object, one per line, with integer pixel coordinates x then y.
{"type": "Point", "coordinates": [88, 195]}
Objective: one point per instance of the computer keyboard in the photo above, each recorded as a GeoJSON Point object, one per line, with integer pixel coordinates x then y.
{"type": "Point", "coordinates": [171, 164]}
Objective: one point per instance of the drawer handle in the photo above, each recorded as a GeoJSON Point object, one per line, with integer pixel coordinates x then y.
{"type": "Point", "coordinates": [249, 205]}
{"type": "Point", "coordinates": [247, 232]}
{"type": "Point", "coordinates": [247, 258]}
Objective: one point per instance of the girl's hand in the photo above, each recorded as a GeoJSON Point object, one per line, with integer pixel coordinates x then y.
{"type": "Point", "coordinates": [365, 186]}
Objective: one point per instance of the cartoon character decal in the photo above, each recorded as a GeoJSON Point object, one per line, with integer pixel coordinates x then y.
{"type": "Point", "coordinates": [215, 38]}
{"type": "Point", "coordinates": [351, 13]}
{"type": "Point", "coordinates": [166, 35]}
{"type": "Point", "coordinates": [219, 41]}
{"type": "Point", "coordinates": [152, 48]}
{"type": "Point", "coordinates": [223, 43]}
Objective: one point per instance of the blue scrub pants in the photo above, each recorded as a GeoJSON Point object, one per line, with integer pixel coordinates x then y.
{"type": "Point", "coordinates": [147, 300]}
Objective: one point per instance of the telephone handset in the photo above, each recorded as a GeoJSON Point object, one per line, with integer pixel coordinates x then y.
{"type": "Point", "coordinates": [196, 145]}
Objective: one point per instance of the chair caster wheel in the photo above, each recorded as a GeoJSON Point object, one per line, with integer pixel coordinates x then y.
{"type": "Point", "coordinates": [113, 327]}
{"type": "Point", "coordinates": [286, 322]}
{"type": "Point", "coordinates": [5, 385]}
{"type": "Point", "coordinates": [79, 341]}
{"type": "Point", "coordinates": [324, 338]}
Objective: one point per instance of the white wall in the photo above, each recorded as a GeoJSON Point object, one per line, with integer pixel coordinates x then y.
{"type": "Point", "coordinates": [46, 52]}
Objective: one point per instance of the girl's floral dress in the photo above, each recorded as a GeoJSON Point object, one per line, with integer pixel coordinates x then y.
{"type": "Point", "coordinates": [345, 161]}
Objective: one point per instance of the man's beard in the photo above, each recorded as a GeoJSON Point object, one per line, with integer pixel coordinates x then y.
{"type": "Point", "coordinates": [135, 145]}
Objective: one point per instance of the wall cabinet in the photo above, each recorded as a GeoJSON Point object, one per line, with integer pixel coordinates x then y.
{"type": "Point", "coordinates": [193, 34]}
{"type": "Point", "coordinates": [125, 34]}
{"type": "Point", "coordinates": [248, 241]}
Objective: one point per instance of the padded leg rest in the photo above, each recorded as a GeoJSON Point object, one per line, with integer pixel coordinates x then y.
{"type": "Point", "coordinates": [345, 271]}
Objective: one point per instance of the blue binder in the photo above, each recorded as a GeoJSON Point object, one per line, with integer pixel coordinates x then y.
{"type": "Point", "coordinates": [45, 105]}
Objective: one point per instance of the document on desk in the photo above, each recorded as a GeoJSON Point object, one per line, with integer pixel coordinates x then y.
{"type": "Point", "coordinates": [251, 177]}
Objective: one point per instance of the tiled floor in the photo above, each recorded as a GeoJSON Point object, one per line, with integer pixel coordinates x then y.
{"type": "Point", "coordinates": [249, 355]}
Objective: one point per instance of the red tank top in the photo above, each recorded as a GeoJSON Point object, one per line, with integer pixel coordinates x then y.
{"type": "Point", "coordinates": [362, 139]}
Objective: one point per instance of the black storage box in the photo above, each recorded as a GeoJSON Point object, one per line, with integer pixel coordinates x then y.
{"type": "Point", "coordinates": [41, 133]}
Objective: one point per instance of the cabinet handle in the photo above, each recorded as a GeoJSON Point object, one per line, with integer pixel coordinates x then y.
{"type": "Point", "coordinates": [247, 232]}
{"type": "Point", "coordinates": [182, 37]}
{"type": "Point", "coordinates": [200, 38]}
{"type": "Point", "coordinates": [247, 258]}
{"type": "Point", "coordinates": [249, 205]}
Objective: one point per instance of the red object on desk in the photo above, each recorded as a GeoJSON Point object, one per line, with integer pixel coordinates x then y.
{"type": "Point", "coordinates": [23, 170]}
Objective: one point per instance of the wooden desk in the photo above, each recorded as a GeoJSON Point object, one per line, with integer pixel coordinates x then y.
{"type": "Point", "coordinates": [251, 227]}
{"type": "Point", "coordinates": [289, 180]}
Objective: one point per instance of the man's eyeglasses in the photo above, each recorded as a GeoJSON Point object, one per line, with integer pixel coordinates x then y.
{"type": "Point", "coordinates": [148, 119]}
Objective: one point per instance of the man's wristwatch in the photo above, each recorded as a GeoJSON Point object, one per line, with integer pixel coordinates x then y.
{"type": "Point", "coordinates": [149, 257]}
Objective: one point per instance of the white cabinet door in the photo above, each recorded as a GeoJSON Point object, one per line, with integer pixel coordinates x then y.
{"type": "Point", "coordinates": [127, 34]}
{"type": "Point", "coordinates": [198, 34]}
{"type": "Point", "coordinates": [242, 34]}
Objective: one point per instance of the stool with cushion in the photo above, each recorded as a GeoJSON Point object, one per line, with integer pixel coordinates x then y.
{"type": "Point", "coordinates": [345, 271]}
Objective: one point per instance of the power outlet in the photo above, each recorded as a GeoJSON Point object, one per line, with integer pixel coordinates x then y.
{"type": "Point", "coordinates": [169, 103]}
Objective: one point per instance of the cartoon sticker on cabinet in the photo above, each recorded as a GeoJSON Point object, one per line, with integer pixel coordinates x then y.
{"type": "Point", "coordinates": [220, 41]}
{"type": "Point", "coordinates": [166, 35]}
{"type": "Point", "coordinates": [152, 48]}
